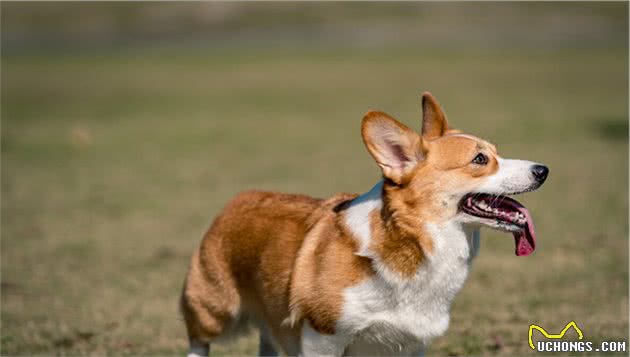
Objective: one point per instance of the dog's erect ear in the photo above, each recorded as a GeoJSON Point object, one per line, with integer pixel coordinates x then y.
{"type": "Point", "coordinates": [394, 146]}
{"type": "Point", "coordinates": [434, 123]}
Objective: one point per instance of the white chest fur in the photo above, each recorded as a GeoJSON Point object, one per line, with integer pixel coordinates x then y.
{"type": "Point", "coordinates": [407, 313]}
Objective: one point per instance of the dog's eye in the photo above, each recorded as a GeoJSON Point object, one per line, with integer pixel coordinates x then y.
{"type": "Point", "coordinates": [480, 159]}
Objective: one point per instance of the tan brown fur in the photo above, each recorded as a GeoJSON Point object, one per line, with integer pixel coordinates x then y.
{"type": "Point", "coordinates": [245, 261]}
{"type": "Point", "coordinates": [249, 255]}
{"type": "Point", "coordinates": [400, 242]}
{"type": "Point", "coordinates": [325, 266]}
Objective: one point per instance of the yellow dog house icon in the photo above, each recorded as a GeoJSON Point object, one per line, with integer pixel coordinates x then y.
{"type": "Point", "coordinates": [551, 336]}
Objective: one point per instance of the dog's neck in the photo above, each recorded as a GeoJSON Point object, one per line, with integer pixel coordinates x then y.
{"type": "Point", "coordinates": [384, 234]}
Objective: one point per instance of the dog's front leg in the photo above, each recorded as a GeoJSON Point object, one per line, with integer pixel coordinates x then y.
{"type": "Point", "coordinates": [198, 348]}
{"type": "Point", "coordinates": [318, 344]}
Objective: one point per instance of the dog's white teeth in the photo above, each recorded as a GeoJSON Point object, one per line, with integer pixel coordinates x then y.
{"type": "Point", "coordinates": [517, 218]}
{"type": "Point", "coordinates": [484, 206]}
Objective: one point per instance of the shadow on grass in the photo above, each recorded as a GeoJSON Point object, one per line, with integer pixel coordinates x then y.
{"type": "Point", "coordinates": [612, 129]}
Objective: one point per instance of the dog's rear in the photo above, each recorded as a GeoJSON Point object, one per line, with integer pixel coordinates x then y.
{"type": "Point", "coordinates": [254, 240]}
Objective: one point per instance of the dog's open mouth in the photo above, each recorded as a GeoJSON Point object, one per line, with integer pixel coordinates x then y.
{"type": "Point", "coordinates": [504, 213]}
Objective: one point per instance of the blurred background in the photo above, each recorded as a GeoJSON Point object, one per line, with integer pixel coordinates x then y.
{"type": "Point", "coordinates": [127, 126]}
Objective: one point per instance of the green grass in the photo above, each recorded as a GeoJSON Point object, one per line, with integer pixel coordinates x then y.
{"type": "Point", "coordinates": [114, 164]}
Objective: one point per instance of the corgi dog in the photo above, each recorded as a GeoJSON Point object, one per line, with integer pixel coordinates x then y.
{"type": "Point", "coordinates": [370, 274]}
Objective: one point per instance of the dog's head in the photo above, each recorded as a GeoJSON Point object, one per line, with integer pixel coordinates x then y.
{"type": "Point", "coordinates": [442, 174]}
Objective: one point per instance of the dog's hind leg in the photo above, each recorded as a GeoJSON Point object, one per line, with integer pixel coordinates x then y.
{"type": "Point", "coordinates": [198, 349]}
{"type": "Point", "coordinates": [210, 304]}
{"type": "Point", "coordinates": [266, 347]}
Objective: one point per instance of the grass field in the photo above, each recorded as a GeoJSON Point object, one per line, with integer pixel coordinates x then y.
{"type": "Point", "coordinates": [114, 164]}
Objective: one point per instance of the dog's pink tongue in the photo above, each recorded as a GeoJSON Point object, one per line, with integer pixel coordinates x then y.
{"type": "Point", "coordinates": [525, 240]}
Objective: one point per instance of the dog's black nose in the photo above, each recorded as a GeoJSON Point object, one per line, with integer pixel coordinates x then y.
{"type": "Point", "coordinates": [540, 172]}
